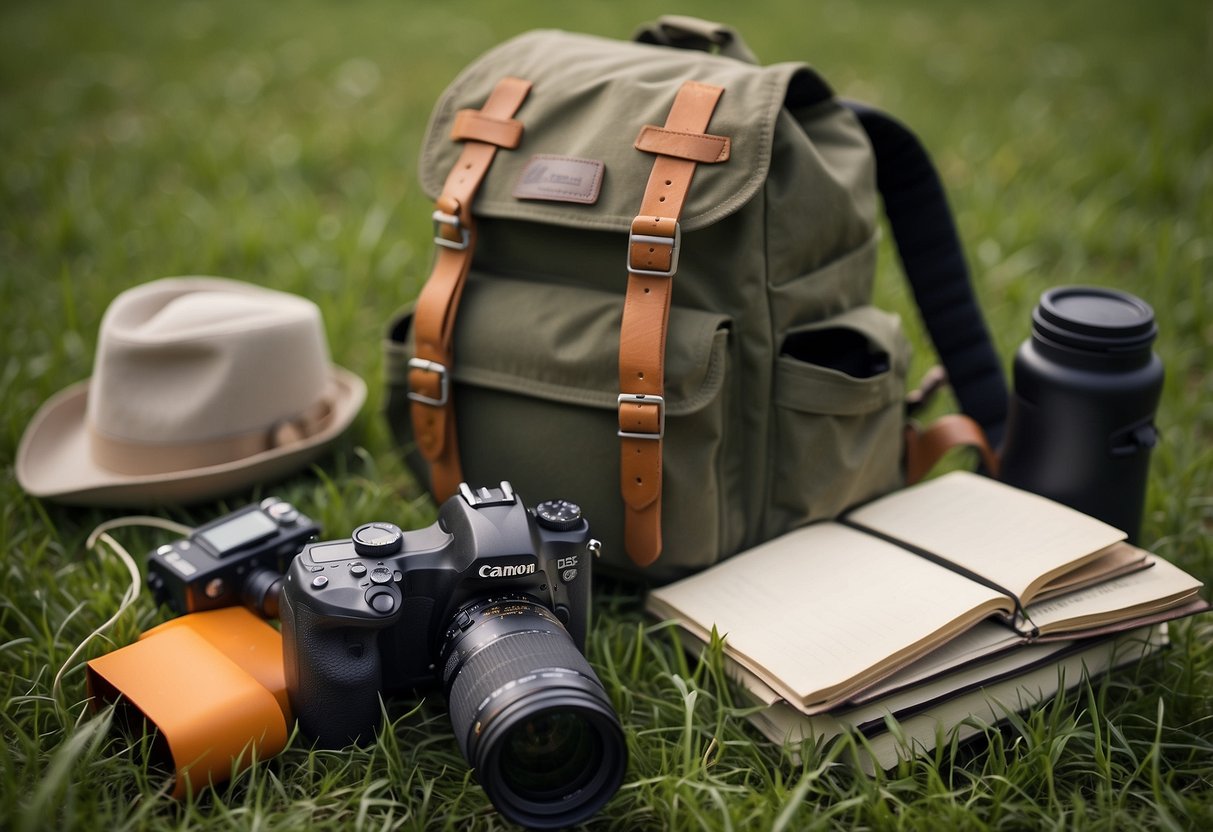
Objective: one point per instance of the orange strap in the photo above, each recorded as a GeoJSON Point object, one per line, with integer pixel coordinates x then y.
{"type": "Point", "coordinates": [925, 447]}
{"type": "Point", "coordinates": [652, 261]}
{"type": "Point", "coordinates": [433, 413]}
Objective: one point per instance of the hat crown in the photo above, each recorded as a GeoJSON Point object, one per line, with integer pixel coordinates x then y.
{"type": "Point", "coordinates": [198, 359]}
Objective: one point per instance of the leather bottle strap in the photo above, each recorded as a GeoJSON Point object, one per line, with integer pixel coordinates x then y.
{"type": "Point", "coordinates": [432, 410]}
{"type": "Point", "coordinates": [924, 447]}
{"type": "Point", "coordinates": [652, 261]}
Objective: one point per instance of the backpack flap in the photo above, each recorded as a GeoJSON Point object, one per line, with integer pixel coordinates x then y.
{"type": "Point", "coordinates": [577, 166]}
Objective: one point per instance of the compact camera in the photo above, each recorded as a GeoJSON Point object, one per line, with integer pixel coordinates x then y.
{"type": "Point", "coordinates": [493, 601]}
{"type": "Point", "coordinates": [236, 559]}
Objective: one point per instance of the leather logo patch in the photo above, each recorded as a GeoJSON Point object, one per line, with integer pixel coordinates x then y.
{"type": "Point", "coordinates": [560, 179]}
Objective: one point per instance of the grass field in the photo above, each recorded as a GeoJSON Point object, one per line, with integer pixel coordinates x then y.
{"type": "Point", "coordinates": [277, 143]}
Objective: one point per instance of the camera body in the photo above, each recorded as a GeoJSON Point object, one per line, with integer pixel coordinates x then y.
{"type": "Point", "coordinates": [238, 558]}
{"type": "Point", "coordinates": [387, 610]}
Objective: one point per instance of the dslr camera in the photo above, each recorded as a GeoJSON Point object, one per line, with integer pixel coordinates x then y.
{"type": "Point", "coordinates": [493, 602]}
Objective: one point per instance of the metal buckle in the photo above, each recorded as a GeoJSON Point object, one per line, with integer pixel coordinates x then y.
{"type": "Point", "coordinates": [443, 218]}
{"type": "Point", "coordinates": [633, 398]}
{"type": "Point", "coordinates": [675, 244]}
{"type": "Point", "coordinates": [443, 382]}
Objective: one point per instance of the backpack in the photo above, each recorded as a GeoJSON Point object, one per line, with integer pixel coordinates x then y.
{"type": "Point", "coordinates": [651, 293]}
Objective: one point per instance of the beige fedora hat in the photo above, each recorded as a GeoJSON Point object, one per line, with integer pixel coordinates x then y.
{"type": "Point", "coordinates": [201, 386]}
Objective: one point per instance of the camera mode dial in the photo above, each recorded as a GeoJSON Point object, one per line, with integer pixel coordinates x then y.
{"type": "Point", "coordinates": [558, 515]}
{"type": "Point", "coordinates": [377, 540]}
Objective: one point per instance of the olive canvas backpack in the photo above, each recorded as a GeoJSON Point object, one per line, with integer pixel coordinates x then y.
{"type": "Point", "coordinates": [651, 293]}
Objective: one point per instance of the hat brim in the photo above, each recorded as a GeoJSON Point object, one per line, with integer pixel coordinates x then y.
{"type": "Point", "coordinates": [54, 459]}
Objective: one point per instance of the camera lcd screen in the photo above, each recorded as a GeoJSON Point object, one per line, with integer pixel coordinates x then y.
{"type": "Point", "coordinates": [239, 531]}
{"type": "Point", "coordinates": [338, 550]}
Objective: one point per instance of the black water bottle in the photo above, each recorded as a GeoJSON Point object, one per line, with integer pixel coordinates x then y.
{"type": "Point", "coordinates": [1081, 422]}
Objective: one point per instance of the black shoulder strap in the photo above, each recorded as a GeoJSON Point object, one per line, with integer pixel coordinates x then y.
{"type": "Point", "coordinates": [933, 260]}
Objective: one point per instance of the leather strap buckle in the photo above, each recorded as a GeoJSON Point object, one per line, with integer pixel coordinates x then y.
{"type": "Point", "coordinates": [443, 382]}
{"type": "Point", "coordinates": [442, 218]}
{"type": "Point", "coordinates": [675, 244]}
{"type": "Point", "coordinates": [643, 399]}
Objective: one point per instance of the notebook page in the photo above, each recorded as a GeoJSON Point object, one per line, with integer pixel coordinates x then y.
{"type": "Point", "coordinates": [1162, 585]}
{"type": "Point", "coordinates": [986, 639]}
{"type": "Point", "coordinates": [963, 716]}
{"type": "Point", "coordinates": [1007, 536]}
{"type": "Point", "coordinates": [813, 609]}
{"type": "Point", "coordinates": [942, 686]}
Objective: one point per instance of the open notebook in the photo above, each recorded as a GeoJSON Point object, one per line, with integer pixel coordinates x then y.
{"type": "Point", "coordinates": [830, 609]}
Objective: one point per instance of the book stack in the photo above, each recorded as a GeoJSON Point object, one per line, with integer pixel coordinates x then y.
{"type": "Point", "coordinates": [946, 606]}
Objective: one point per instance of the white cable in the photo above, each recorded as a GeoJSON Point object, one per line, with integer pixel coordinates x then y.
{"type": "Point", "coordinates": [139, 520]}
{"type": "Point", "coordinates": [132, 591]}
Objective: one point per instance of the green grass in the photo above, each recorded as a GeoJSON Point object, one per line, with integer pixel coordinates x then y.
{"type": "Point", "coordinates": [276, 143]}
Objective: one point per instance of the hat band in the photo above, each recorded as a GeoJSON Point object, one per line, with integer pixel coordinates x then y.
{"type": "Point", "coordinates": [125, 456]}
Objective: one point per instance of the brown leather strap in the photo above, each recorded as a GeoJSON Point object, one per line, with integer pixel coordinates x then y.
{"type": "Point", "coordinates": [698, 147]}
{"type": "Point", "coordinates": [475, 126]}
{"type": "Point", "coordinates": [925, 447]}
{"type": "Point", "coordinates": [432, 411]}
{"type": "Point", "coordinates": [652, 261]}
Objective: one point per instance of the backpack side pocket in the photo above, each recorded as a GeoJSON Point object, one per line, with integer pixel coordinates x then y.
{"type": "Point", "coordinates": [839, 414]}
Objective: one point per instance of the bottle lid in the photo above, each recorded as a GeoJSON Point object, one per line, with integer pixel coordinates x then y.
{"type": "Point", "coordinates": [1094, 319]}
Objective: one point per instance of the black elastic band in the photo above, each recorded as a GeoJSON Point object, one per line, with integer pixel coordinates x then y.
{"type": "Point", "coordinates": [933, 260]}
{"type": "Point", "coordinates": [1019, 613]}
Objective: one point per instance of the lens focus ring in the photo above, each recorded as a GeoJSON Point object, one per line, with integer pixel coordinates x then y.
{"type": "Point", "coordinates": [504, 662]}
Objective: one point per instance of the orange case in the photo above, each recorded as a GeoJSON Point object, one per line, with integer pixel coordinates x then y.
{"type": "Point", "coordinates": [213, 685]}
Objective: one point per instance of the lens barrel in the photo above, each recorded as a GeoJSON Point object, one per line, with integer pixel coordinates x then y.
{"type": "Point", "coordinates": [530, 715]}
{"type": "Point", "coordinates": [261, 591]}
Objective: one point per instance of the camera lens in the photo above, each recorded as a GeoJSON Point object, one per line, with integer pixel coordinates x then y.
{"type": "Point", "coordinates": [530, 715]}
{"type": "Point", "coordinates": [549, 754]}
{"type": "Point", "coordinates": [261, 591]}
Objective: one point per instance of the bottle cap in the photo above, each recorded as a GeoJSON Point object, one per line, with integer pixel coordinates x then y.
{"type": "Point", "coordinates": [1094, 320]}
